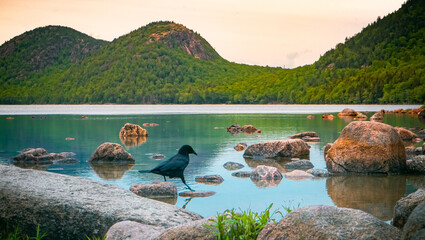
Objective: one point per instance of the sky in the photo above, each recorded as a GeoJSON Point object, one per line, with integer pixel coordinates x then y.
{"type": "Point", "coordinates": [279, 33]}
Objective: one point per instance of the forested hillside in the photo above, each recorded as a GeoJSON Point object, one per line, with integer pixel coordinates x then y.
{"type": "Point", "coordinates": [165, 62]}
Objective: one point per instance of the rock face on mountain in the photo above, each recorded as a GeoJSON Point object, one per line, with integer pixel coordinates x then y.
{"type": "Point", "coordinates": [365, 148]}
{"type": "Point", "coordinates": [68, 207]}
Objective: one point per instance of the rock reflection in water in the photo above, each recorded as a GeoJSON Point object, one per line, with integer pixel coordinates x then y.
{"type": "Point", "coordinates": [277, 163]}
{"type": "Point", "coordinates": [376, 195]}
{"type": "Point", "coordinates": [109, 171]}
{"type": "Point", "coordinates": [133, 141]}
{"type": "Point", "coordinates": [418, 181]}
{"type": "Point", "coordinates": [266, 183]}
{"type": "Point", "coordinates": [32, 165]}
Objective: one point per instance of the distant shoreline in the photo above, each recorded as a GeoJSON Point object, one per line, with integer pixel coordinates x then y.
{"type": "Point", "coordinates": [144, 109]}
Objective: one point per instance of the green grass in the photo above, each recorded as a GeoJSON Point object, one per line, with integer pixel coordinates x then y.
{"type": "Point", "coordinates": [245, 225]}
{"type": "Point", "coordinates": [16, 235]}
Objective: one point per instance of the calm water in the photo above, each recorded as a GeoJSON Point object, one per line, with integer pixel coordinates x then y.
{"type": "Point", "coordinates": [49, 126]}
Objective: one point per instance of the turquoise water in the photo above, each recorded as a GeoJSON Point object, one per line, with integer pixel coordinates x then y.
{"type": "Point", "coordinates": [206, 133]}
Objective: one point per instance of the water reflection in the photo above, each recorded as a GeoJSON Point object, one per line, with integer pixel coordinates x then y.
{"type": "Point", "coordinates": [133, 141]}
{"type": "Point", "coordinates": [110, 171]}
{"type": "Point", "coordinates": [32, 165]}
{"type": "Point", "coordinates": [277, 163]}
{"type": "Point", "coordinates": [376, 195]}
{"type": "Point", "coordinates": [262, 183]}
{"type": "Point", "coordinates": [418, 181]}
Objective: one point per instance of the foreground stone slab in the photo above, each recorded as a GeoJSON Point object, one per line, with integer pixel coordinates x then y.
{"type": "Point", "coordinates": [69, 207]}
{"type": "Point", "coordinates": [326, 222]}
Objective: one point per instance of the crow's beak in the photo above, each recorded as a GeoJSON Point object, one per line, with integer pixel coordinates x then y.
{"type": "Point", "coordinates": [195, 153]}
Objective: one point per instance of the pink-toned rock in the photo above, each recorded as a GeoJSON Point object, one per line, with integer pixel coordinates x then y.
{"type": "Point", "coordinates": [378, 116]}
{"type": "Point", "coordinates": [279, 149]}
{"type": "Point", "coordinates": [266, 173]}
{"type": "Point", "coordinates": [328, 116]}
{"type": "Point", "coordinates": [194, 230]}
{"type": "Point", "coordinates": [155, 190]}
{"type": "Point", "coordinates": [111, 152]}
{"type": "Point", "coordinates": [367, 147]}
{"type": "Point", "coordinates": [361, 116]}
{"type": "Point", "coordinates": [240, 147]}
{"type": "Point", "coordinates": [348, 112]}
{"type": "Point", "coordinates": [298, 175]}
{"type": "Point", "coordinates": [129, 230]}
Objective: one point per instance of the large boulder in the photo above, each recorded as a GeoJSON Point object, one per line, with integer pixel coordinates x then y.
{"type": "Point", "coordinates": [415, 225]}
{"type": "Point", "coordinates": [405, 206]}
{"type": "Point", "coordinates": [132, 130]}
{"type": "Point", "coordinates": [366, 148]}
{"type": "Point", "coordinates": [111, 152]}
{"type": "Point", "coordinates": [279, 149]}
{"type": "Point", "coordinates": [326, 222]}
{"type": "Point", "coordinates": [68, 207]}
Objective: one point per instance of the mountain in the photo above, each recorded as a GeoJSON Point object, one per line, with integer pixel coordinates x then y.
{"type": "Point", "coordinates": [164, 62]}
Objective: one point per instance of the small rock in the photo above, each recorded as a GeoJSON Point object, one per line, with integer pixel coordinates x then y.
{"type": "Point", "coordinates": [129, 230]}
{"type": "Point", "coordinates": [404, 207]}
{"type": "Point", "coordinates": [318, 172]}
{"type": "Point", "coordinates": [158, 156]}
{"type": "Point", "coordinates": [378, 116]}
{"type": "Point", "coordinates": [287, 148]}
{"type": "Point", "coordinates": [421, 114]}
{"type": "Point", "coordinates": [249, 129]}
{"type": "Point", "coordinates": [242, 174]}
{"type": "Point", "coordinates": [361, 116]}
{"type": "Point", "coordinates": [155, 190]}
{"type": "Point", "coordinates": [195, 194]}
{"type": "Point", "coordinates": [347, 112]}
{"type": "Point", "coordinates": [415, 225]}
{"type": "Point", "coordinates": [302, 164]}
{"type": "Point", "coordinates": [416, 165]}
{"type": "Point", "coordinates": [132, 130]}
{"type": "Point", "coordinates": [210, 179]}
{"type": "Point", "coordinates": [266, 173]}
{"type": "Point", "coordinates": [233, 166]}
{"type": "Point", "coordinates": [328, 116]}
{"type": "Point", "coordinates": [240, 147]}
{"type": "Point", "coordinates": [70, 139]}
{"type": "Point", "coordinates": [304, 134]}
{"type": "Point", "coordinates": [311, 139]}
{"type": "Point", "coordinates": [298, 175]}
{"type": "Point", "coordinates": [31, 154]}
{"type": "Point", "coordinates": [111, 152]}
{"type": "Point", "coordinates": [150, 124]}
{"type": "Point", "coordinates": [310, 117]}
{"type": "Point", "coordinates": [234, 129]}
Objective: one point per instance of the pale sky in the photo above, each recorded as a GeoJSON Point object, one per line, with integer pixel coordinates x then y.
{"type": "Point", "coordinates": [284, 33]}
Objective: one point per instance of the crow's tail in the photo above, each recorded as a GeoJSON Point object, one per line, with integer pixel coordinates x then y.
{"type": "Point", "coordinates": [144, 171]}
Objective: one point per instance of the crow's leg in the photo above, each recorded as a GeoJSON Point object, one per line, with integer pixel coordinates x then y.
{"type": "Point", "coordinates": [165, 179]}
{"type": "Point", "coordinates": [182, 177]}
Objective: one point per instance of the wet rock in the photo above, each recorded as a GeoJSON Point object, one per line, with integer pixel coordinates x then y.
{"type": "Point", "coordinates": [405, 206]}
{"type": "Point", "coordinates": [108, 152]}
{"type": "Point", "coordinates": [416, 165]}
{"type": "Point", "coordinates": [415, 225]}
{"type": "Point", "coordinates": [41, 156]}
{"type": "Point", "coordinates": [158, 156]}
{"type": "Point", "coordinates": [301, 164]}
{"type": "Point", "coordinates": [326, 222]}
{"type": "Point", "coordinates": [347, 112]}
{"type": "Point", "coordinates": [412, 151]}
{"type": "Point", "coordinates": [242, 174]}
{"type": "Point", "coordinates": [366, 148]}
{"type": "Point", "coordinates": [378, 116]}
{"type": "Point", "coordinates": [31, 154]}
{"type": "Point", "coordinates": [196, 194]}
{"type": "Point", "coordinates": [405, 134]}
{"type": "Point", "coordinates": [236, 129]}
{"type": "Point", "coordinates": [233, 166]}
{"type": "Point", "coordinates": [130, 230]}
{"type": "Point", "coordinates": [266, 173]}
{"type": "Point", "coordinates": [249, 129]}
{"type": "Point", "coordinates": [318, 172]}
{"type": "Point", "coordinates": [210, 179]}
{"type": "Point", "coordinates": [421, 114]}
{"type": "Point", "coordinates": [155, 190]}
{"type": "Point", "coordinates": [194, 230]}
{"type": "Point", "coordinates": [279, 149]}
{"type": "Point", "coordinates": [361, 116]}
{"type": "Point", "coordinates": [240, 147]}
{"type": "Point", "coordinates": [132, 130]}
{"type": "Point", "coordinates": [304, 134]}
{"type": "Point", "coordinates": [328, 116]}
{"type": "Point", "coordinates": [298, 175]}
{"type": "Point", "coordinates": [68, 207]}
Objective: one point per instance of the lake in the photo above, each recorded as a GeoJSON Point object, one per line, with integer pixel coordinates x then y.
{"type": "Point", "coordinates": [204, 128]}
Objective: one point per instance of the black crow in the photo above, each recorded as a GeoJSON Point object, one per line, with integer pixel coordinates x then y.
{"type": "Point", "coordinates": [174, 166]}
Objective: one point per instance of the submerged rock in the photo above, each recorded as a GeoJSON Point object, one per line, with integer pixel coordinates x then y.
{"type": "Point", "coordinates": [367, 147]}
{"type": "Point", "coordinates": [242, 174]}
{"type": "Point", "coordinates": [233, 166]}
{"type": "Point", "coordinates": [318, 172]}
{"type": "Point", "coordinates": [298, 175]}
{"type": "Point", "coordinates": [210, 179]}
{"type": "Point", "coordinates": [196, 194]}
{"type": "Point", "coordinates": [301, 164]}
